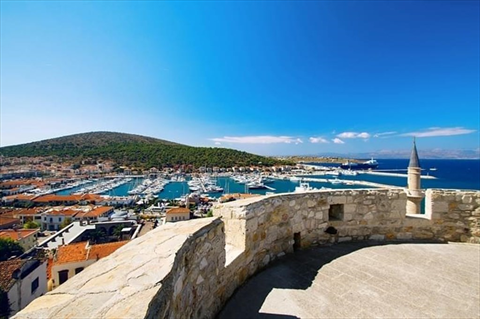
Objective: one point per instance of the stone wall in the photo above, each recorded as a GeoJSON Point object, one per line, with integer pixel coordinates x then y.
{"type": "Point", "coordinates": [268, 227]}
{"type": "Point", "coordinates": [273, 225]}
{"type": "Point", "coordinates": [171, 272]}
{"type": "Point", "coordinates": [189, 269]}
{"type": "Point", "coordinates": [455, 214]}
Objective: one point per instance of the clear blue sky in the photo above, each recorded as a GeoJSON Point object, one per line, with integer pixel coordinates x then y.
{"type": "Point", "coordinates": [269, 77]}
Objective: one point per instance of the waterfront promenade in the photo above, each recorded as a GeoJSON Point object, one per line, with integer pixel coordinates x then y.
{"type": "Point", "coordinates": [363, 280]}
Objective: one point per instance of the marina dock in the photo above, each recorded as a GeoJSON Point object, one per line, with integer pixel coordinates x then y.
{"type": "Point", "coordinates": [396, 174]}
{"type": "Point", "coordinates": [348, 182]}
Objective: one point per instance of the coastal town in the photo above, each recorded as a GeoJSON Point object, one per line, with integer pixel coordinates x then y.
{"type": "Point", "coordinates": [61, 218]}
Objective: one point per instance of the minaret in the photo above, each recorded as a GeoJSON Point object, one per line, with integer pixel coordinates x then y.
{"type": "Point", "coordinates": [414, 191]}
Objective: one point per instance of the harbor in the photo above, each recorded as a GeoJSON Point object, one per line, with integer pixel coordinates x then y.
{"type": "Point", "coordinates": [391, 173]}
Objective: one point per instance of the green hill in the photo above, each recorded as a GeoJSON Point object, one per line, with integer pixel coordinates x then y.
{"type": "Point", "coordinates": [135, 151]}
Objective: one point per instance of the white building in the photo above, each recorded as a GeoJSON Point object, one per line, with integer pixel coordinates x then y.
{"type": "Point", "coordinates": [177, 214]}
{"type": "Point", "coordinates": [71, 259]}
{"type": "Point", "coordinates": [23, 281]}
{"type": "Point", "coordinates": [27, 238]}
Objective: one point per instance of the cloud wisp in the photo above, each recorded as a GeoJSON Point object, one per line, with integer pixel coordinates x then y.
{"type": "Point", "coordinates": [262, 139]}
{"type": "Point", "coordinates": [363, 135]}
{"type": "Point", "coordinates": [338, 141]}
{"type": "Point", "coordinates": [385, 134]}
{"type": "Point", "coordinates": [319, 139]}
{"type": "Point", "coordinates": [437, 131]}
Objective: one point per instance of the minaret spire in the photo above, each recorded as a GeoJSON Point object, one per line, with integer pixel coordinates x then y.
{"type": "Point", "coordinates": [414, 161]}
{"type": "Point", "coordinates": [414, 190]}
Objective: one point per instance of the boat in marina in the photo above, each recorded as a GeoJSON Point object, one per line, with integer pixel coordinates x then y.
{"type": "Point", "coordinates": [256, 185]}
{"type": "Point", "coordinates": [370, 164]}
{"type": "Point", "coordinates": [303, 187]}
{"type": "Point", "coordinates": [336, 181]}
{"type": "Point", "coordinates": [294, 179]}
{"type": "Point", "coordinates": [348, 172]}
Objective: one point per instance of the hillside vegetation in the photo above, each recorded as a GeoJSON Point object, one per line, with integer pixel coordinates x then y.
{"type": "Point", "coordinates": [135, 151]}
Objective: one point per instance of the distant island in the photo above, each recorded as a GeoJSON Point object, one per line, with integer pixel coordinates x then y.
{"type": "Point", "coordinates": [140, 152]}
{"type": "Point", "coordinates": [320, 159]}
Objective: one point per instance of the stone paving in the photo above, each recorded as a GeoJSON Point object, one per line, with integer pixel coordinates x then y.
{"type": "Point", "coordinates": [365, 280]}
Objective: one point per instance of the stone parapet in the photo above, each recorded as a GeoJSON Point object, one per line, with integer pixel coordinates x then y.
{"type": "Point", "coordinates": [171, 272]}
{"type": "Point", "coordinates": [189, 269]}
{"type": "Point", "coordinates": [455, 214]}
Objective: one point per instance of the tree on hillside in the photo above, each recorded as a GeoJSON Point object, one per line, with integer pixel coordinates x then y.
{"type": "Point", "coordinates": [9, 248]}
{"type": "Point", "coordinates": [117, 232]}
{"type": "Point", "coordinates": [97, 236]}
{"type": "Point", "coordinates": [31, 225]}
{"type": "Point", "coordinates": [67, 221]}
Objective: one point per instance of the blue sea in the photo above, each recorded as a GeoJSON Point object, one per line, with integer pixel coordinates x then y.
{"type": "Point", "coordinates": [451, 174]}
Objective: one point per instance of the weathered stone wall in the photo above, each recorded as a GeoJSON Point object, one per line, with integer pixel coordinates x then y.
{"type": "Point", "coordinates": [270, 223]}
{"type": "Point", "coordinates": [171, 272]}
{"type": "Point", "coordinates": [189, 269]}
{"type": "Point", "coordinates": [455, 214]}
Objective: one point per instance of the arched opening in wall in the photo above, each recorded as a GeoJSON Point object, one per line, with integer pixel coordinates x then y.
{"type": "Point", "coordinates": [297, 241]}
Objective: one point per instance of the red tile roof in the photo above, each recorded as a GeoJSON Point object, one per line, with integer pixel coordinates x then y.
{"type": "Point", "coordinates": [17, 234]}
{"type": "Point", "coordinates": [25, 197]}
{"type": "Point", "coordinates": [228, 197]}
{"type": "Point", "coordinates": [92, 197]}
{"type": "Point", "coordinates": [49, 268]}
{"type": "Point", "coordinates": [71, 253]}
{"type": "Point", "coordinates": [98, 211]}
{"type": "Point", "coordinates": [5, 221]}
{"type": "Point", "coordinates": [7, 268]}
{"type": "Point", "coordinates": [80, 251]}
{"type": "Point", "coordinates": [57, 198]}
{"type": "Point", "coordinates": [64, 212]}
{"type": "Point", "coordinates": [179, 210]}
{"type": "Point", "coordinates": [103, 250]}
{"type": "Point", "coordinates": [27, 211]}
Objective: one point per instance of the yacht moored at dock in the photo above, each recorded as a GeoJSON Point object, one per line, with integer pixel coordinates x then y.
{"type": "Point", "coordinates": [370, 164]}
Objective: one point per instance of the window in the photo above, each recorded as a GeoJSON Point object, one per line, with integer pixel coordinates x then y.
{"type": "Point", "coordinates": [51, 219]}
{"type": "Point", "coordinates": [62, 276]}
{"type": "Point", "coordinates": [78, 270]}
{"type": "Point", "coordinates": [34, 285]}
{"type": "Point", "coordinates": [59, 219]}
{"type": "Point", "coordinates": [335, 212]}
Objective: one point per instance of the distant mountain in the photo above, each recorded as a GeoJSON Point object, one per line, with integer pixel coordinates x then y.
{"type": "Point", "coordinates": [135, 151]}
{"type": "Point", "coordinates": [397, 154]}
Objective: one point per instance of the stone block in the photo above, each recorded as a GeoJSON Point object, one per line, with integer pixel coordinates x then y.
{"type": "Point", "coordinates": [439, 207]}
{"type": "Point", "coordinates": [404, 236]}
{"type": "Point", "coordinates": [203, 263]}
{"type": "Point", "coordinates": [465, 207]}
{"type": "Point", "coordinates": [349, 208]}
{"type": "Point", "coordinates": [467, 199]}
{"type": "Point", "coordinates": [423, 234]}
{"type": "Point", "coordinates": [377, 237]}
{"type": "Point", "coordinates": [319, 215]}
{"type": "Point", "coordinates": [344, 239]}
{"type": "Point", "coordinates": [369, 216]}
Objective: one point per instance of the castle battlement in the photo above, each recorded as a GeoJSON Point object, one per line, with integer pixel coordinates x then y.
{"type": "Point", "coordinates": [189, 269]}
